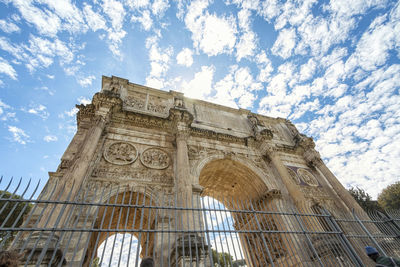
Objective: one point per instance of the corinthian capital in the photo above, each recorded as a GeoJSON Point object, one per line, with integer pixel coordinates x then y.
{"type": "Point", "coordinates": [180, 116]}
{"type": "Point", "coordinates": [106, 101]}
{"type": "Point", "coordinates": [268, 149]}
{"type": "Point", "coordinates": [312, 157]}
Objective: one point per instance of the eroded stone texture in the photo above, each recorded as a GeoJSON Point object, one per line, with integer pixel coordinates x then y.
{"type": "Point", "coordinates": [136, 137]}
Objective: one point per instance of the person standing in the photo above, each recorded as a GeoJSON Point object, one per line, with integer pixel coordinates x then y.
{"type": "Point", "coordinates": [381, 261]}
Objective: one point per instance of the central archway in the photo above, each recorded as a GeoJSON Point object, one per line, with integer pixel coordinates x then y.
{"type": "Point", "coordinates": [226, 178]}
{"type": "Point", "coordinates": [243, 192]}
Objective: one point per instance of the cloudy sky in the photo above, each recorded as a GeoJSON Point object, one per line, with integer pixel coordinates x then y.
{"type": "Point", "coordinates": [332, 67]}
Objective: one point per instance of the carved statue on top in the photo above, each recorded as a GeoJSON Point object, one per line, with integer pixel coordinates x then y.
{"type": "Point", "coordinates": [114, 87]}
{"type": "Point", "coordinates": [260, 132]}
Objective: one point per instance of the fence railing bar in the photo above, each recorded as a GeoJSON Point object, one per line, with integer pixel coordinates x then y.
{"type": "Point", "coordinates": [308, 240]}
{"type": "Point", "coordinates": [94, 252]}
{"type": "Point", "coordinates": [133, 226]}
{"type": "Point", "coordinates": [250, 236]}
{"type": "Point", "coordinates": [58, 220]}
{"type": "Point", "coordinates": [196, 237]}
{"type": "Point", "coordinates": [207, 233]}
{"type": "Point", "coordinates": [65, 224]}
{"type": "Point", "coordinates": [118, 222]}
{"type": "Point", "coordinates": [12, 195]}
{"type": "Point", "coordinates": [228, 226]}
{"type": "Point", "coordinates": [369, 234]}
{"type": "Point", "coordinates": [81, 233]}
{"type": "Point", "coordinates": [28, 219]}
{"type": "Point", "coordinates": [45, 225]}
{"type": "Point", "coordinates": [125, 226]}
{"type": "Point", "coordinates": [26, 205]}
{"type": "Point", "coordinates": [345, 242]}
{"type": "Point", "coordinates": [110, 220]}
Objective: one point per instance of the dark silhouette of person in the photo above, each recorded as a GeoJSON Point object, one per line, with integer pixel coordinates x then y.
{"type": "Point", "coordinates": [381, 261]}
{"type": "Point", "coordinates": [147, 262]}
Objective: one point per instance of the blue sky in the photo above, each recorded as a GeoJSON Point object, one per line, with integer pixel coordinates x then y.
{"type": "Point", "coordinates": [332, 67]}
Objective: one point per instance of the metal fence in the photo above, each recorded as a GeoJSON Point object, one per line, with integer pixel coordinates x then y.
{"type": "Point", "coordinates": [106, 225]}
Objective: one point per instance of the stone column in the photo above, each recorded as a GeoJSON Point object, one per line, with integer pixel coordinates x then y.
{"type": "Point", "coordinates": [313, 158]}
{"type": "Point", "coordinates": [185, 242]}
{"type": "Point", "coordinates": [272, 153]}
{"type": "Point", "coordinates": [94, 116]}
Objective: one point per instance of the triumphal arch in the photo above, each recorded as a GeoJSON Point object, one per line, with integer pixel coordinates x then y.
{"type": "Point", "coordinates": [151, 144]}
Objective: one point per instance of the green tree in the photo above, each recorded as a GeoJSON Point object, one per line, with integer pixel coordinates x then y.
{"type": "Point", "coordinates": [389, 198]}
{"type": "Point", "coordinates": [364, 199]}
{"type": "Point", "coordinates": [222, 259]}
{"type": "Point", "coordinates": [14, 209]}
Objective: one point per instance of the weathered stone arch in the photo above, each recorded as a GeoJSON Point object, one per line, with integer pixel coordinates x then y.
{"type": "Point", "coordinates": [123, 218]}
{"type": "Point", "coordinates": [201, 164]}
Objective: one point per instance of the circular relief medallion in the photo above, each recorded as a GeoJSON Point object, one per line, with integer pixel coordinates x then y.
{"type": "Point", "coordinates": [293, 175]}
{"type": "Point", "coordinates": [155, 158]}
{"type": "Point", "coordinates": [307, 177]}
{"type": "Point", "coordinates": [120, 153]}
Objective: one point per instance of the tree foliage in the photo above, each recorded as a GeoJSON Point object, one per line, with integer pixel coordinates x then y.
{"type": "Point", "coordinates": [363, 199]}
{"type": "Point", "coordinates": [15, 211]}
{"type": "Point", "coordinates": [389, 198]}
{"type": "Point", "coordinates": [222, 259]}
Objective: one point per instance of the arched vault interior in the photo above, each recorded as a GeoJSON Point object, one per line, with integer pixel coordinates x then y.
{"type": "Point", "coordinates": [227, 180]}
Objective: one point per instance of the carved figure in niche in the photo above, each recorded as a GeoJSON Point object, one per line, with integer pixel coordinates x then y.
{"type": "Point", "coordinates": [260, 131]}
{"type": "Point", "coordinates": [155, 158]}
{"type": "Point", "coordinates": [120, 153]}
{"type": "Point", "coordinates": [307, 177]}
{"type": "Point", "coordinates": [178, 103]}
{"type": "Point", "coordinates": [115, 87]}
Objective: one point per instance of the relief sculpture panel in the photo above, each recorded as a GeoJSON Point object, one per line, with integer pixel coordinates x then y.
{"type": "Point", "coordinates": [157, 105]}
{"type": "Point", "coordinates": [120, 153]}
{"type": "Point", "coordinates": [155, 158]}
{"type": "Point", "coordinates": [136, 101]}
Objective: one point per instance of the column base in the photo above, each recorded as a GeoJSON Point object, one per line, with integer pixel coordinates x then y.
{"type": "Point", "coordinates": [40, 242]}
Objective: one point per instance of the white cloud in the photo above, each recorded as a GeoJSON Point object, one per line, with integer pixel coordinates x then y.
{"type": "Point", "coordinates": [246, 45]}
{"type": "Point", "coordinates": [285, 43]}
{"type": "Point", "coordinates": [159, 7]}
{"type": "Point", "coordinates": [38, 110]}
{"type": "Point", "coordinates": [71, 16]}
{"type": "Point", "coordinates": [84, 100]}
{"type": "Point", "coordinates": [5, 113]}
{"type": "Point", "coordinates": [144, 19]}
{"type": "Point", "coordinates": [116, 12]}
{"type": "Point", "coordinates": [50, 138]}
{"type": "Point", "coordinates": [212, 34]}
{"type": "Point", "coordinates": [85, 82]}
{"type": "Point", "coordinates": [373, 48]}
{"type": "Point", "coordinates": [136, 4]}
{"type": "Point", "coordinates": [201, 85]}
{"type": "Point", "coordinates": [185, 57]}
{"type": "Point", "coordinates": [18, 135]}
{"type": "Point", "coordinates": [47, 23]}
{"type": "Point", "coordinates": [8, 26]}
{"type": "Point", "coordinates": [94, 20]}
{"type": "Point", "coordinates": [159, 62]}
{"type": "Point", "coordinates": [7, 69]}
{"type": "Point", "coordinates": [264, 65]}
{"type": "Point", "coordinates": [239, 85]}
